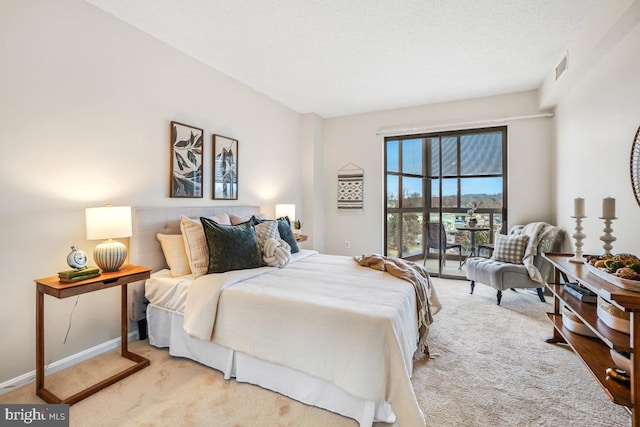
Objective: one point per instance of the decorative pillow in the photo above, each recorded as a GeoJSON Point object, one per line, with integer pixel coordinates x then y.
{"type": "Point", "coordinates": [195, 243]}
{"type": "Point", "coordinates": [231, 247]}
{"type": "Point", "coordinates": [266, 230]}
{"type": "Point", "coordinates": [510, 248]}
{"type": "Point", "coordinates": [277, 253]}
{"type": "Point", "coordinates": [236, 219]}
{"type": "Point", "coordinates": [284, 229]}
{"type": "Point", "coordinates": [174, 253]}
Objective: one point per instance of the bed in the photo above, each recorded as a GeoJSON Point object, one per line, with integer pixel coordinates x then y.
{"type": "Point", "coordinates": [323, 330]}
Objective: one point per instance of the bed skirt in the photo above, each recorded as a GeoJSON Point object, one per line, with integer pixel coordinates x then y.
{"type": "Point", "coordinates": [165, 330]}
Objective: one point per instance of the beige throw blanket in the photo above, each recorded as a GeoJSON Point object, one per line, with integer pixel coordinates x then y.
{"type": "Point", "coordinates": [426, 298]}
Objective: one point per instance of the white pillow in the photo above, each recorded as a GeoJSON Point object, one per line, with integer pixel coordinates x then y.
{"type": "Point", "coordinates": [195, 243]}
{"type": "Point", "coordinates": [264, 231]}
{"type": "Point", "coordinates": [174, 253]}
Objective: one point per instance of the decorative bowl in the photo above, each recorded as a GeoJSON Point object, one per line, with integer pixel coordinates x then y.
{"type": "Point", "coordinates": [574, 324]}
{"type": "Point", "coordinates": [613, 317]}
{"type": "Point", "coordinates": [630, 285]}
{"type": "Point", "coordinates": [621, 360]}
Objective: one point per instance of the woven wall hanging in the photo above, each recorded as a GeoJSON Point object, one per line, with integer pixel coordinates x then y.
{"type": "Point", "coordinates": [351, 189]}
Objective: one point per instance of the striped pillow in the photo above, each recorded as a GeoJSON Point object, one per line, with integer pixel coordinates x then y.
{"type": "Point", "coordinates": [510, 248]}
{"type": "Point", "coordinates": [195, 243]}
{"type": "Point", "coordinates": [264, 231]}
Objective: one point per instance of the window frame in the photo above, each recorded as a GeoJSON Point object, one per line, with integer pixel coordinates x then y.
{"type": "Point", "coordinates": [427, 208]}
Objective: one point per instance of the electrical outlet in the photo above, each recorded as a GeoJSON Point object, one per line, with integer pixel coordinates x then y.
{"type": "Point", "coordinates": [347, 244]}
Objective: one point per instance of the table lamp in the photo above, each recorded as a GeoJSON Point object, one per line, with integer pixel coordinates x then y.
{"type": "Point", "coordinates": [109, 222]}
{"type": "Point", "coordinates": [287, 210]}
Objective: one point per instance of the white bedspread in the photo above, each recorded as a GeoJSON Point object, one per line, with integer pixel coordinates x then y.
{"type": "Point", "coordinates": [163, 290]}
{"type": "Point", "coordinates": [324, 315]}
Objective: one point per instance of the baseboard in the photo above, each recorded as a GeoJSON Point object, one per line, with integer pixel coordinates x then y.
{"type": "Point", "coordinates": [61, 364]}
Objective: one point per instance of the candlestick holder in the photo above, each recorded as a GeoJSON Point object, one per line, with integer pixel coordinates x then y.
{"type": "Point", "coordinates": [579, 236]}
{"type": "Point", "coordinates": [607, 237]}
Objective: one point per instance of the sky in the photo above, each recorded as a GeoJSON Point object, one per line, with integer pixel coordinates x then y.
{"type": "Point", "coordinates": [412, 163]}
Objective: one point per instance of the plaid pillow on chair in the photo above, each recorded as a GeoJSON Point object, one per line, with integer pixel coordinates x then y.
{"type": "Point", "coordinates": [510, 248]}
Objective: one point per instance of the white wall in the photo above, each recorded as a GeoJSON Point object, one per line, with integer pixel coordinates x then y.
{"type": "Point", "coordinates": [312, 161]}
{"type": "Point", "coordinates": [595, 126]}
{"type": "Point", "coordinates": [354, 139]}
{"type": "Point", "coordinates": [86, 103]}
{"type": "Point", "coordinates": [84, 118]}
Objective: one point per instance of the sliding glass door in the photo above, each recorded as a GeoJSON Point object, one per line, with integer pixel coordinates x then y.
{"type": "Point", "coordinates": [445, 196]}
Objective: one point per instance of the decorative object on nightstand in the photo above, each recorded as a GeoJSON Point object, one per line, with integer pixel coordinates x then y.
{"type": "Point", "coordinates": [608, 215]}
{"type": "Point", "coordinates": [109, 222]}
{"type": "Point", "coordinates": [578, 215]}
{"type": "Point", "coordinates": [297, 225]}
{"type": "Point", "coordinates": [77, 259]}
{"type": "Point", "coordinates": [77, 275]}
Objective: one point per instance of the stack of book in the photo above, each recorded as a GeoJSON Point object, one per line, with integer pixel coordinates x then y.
{"type": "Point", "coordinates": [76, 275]}
{"type": "Point", "coordinates": [580, 292]}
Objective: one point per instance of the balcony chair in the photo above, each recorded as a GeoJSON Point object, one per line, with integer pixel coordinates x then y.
{"type": "Point", "coordinates": [437, 239]}
{"type": "Point", "coordinates": [486, 247]}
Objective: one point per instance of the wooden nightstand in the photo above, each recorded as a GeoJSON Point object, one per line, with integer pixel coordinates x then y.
{"type": "Point", "coordinates": [300, 237]}
{"type": "Point", "coordinates": [52, 286]}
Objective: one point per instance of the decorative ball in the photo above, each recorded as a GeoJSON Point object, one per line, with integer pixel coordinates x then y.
{"type": "Point", "coordinates": [277, 253]}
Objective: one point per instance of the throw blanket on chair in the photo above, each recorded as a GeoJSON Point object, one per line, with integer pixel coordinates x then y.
{"type": "Point", "coordinates": [532, 230]}
{"type": "Point", "coordinates": [427, 299]}
{"type": "Point", "coordinates": [541, 238]}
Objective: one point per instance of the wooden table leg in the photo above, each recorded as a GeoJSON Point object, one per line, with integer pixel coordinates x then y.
{"type": "Point", "coordinates": [557, 338]}
{"type": "Point", "coordinates": [40, 390]}
{"type": "Point", "coordinates": [635, 368]}
{"type": "Point", "coordinates": [124, 326]}
{"type": "Point", "coordinates": [39, 340]}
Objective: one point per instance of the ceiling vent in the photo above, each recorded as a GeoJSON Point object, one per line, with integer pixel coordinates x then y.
{"type": "Point", "coordinates": [562, 67]}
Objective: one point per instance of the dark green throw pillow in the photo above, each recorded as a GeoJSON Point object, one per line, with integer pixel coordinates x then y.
{"type": "Point", "coordinates": [231, 247]}
{"type": "Point", "coordinates": [284, 228]}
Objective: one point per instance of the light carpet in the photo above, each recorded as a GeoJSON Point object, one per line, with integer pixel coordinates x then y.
{"type": "Point", "coordinates": [493, 368]}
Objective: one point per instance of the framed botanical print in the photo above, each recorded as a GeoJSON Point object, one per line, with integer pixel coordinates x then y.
{"type": "Point", "coordinates": [225, 168]}
{"type": "Point", "coordinates": [186, 160]}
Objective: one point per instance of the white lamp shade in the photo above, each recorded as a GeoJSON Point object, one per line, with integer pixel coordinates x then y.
{"type": "Point", "coordinates": [286, 210]}
{"type": "Point", "coordinates": [108, 222]}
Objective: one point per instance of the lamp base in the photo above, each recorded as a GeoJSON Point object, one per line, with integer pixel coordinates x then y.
{"type": "Point", "coordinates": [110, 255]}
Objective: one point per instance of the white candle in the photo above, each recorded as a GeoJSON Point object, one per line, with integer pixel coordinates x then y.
{"type": "Point", "coordinates": [609, 208]}
{"type": "Point", "coordinates": [578, 207]}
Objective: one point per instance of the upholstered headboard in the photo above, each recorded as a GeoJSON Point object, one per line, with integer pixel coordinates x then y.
{"type": "Point", "coordinates": [144, 247]}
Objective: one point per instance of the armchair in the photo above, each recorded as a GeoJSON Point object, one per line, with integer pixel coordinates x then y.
{"type": "Point", "coordinates": [527, 269]}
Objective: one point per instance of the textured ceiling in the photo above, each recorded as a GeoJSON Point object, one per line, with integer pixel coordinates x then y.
{"type": "Point", "coordinates": [341, 57]}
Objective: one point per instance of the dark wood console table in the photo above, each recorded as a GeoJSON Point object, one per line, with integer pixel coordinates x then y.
{"type": "Point", "coordinates": [595, 352]}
